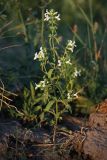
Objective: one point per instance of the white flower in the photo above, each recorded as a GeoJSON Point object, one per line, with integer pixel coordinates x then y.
{"type": "Point", "coordinates": [71, 45]}
{"type": "Point", "coordinates": [58, 17]}
{"type": "Point", "coordinates": [36, 56]}
{"type": "Point", "coordinates": [75, 95]}
{"type": "Point", "coordinates": [76, 73]}
{"type": "Point", "coordinates": [68, 62]}
{"type": "Point", "coordinates": [40, 55]}
{"type": "Point", "coordinates": [46, 18]}
{"type": "Point", "coordinates": [59, 63]}
{"type": "Point", "coordinates": [71, 95]}
{"type": "Point", "coordinates": [51, 15]}
{"type": "Point", "coordinates": [41, 85]}
{"type": "Point", "coordinates": [46, 15]}
{"type": "Point", "coordinates": [37, 86]}
{"type": "Point", "coordinates": [68, 96]}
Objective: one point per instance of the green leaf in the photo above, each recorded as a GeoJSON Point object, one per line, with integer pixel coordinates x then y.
{"type": "Point", "coordinates": [45, 96]}
{"type": "Point", "coordinates": [26, 93]}
{"type": "Point", "coordinates": [32, 91]}
{"type": "Point", "coordinates": [65, 102]}
{"type": "Point", "coordinates": [37, 100]}
{"type": "Point", "coordinates": [50, 73]}
{"type": "Point", "coordinates": [37, 108]}
{"type": "Point", "coordinates": [42, 117]}
{"type": "Point", "coordinates": [49, 105]}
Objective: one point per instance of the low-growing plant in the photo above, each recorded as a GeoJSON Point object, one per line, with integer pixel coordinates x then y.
{"type": "Point", "coordinates": [58, 86]}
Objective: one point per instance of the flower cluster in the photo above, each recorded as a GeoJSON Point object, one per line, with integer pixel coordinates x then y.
{"type": "Point", "coordinates": [70, 46]}
{"type": "Point", "coordinates": [64, 61]}
{"type": "Point", "coordinates": [52, 18]}
{"type": "Point", "coordinates": [41, 84]}
{"type": "Point", "coordinates": [41, 54]}
{"type": "Point", "coordinates": [50, 15]}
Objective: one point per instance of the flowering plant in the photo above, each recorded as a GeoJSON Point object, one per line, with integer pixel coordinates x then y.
{"type": "Point", "coordinates": [60, 72]}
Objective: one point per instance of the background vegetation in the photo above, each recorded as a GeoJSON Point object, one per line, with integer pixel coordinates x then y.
{"type": "Point", "coordinates": [21, 36]}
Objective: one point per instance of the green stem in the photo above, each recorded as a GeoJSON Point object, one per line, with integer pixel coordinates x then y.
{"type": "Point", "coordinates": [24, 26]}
{"type": "Point", "coordinates": [56, 123]}
{"type": "Point", "coordinates": [42, 29]}
{"type": "Point", "coordinates": [89, 43]}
